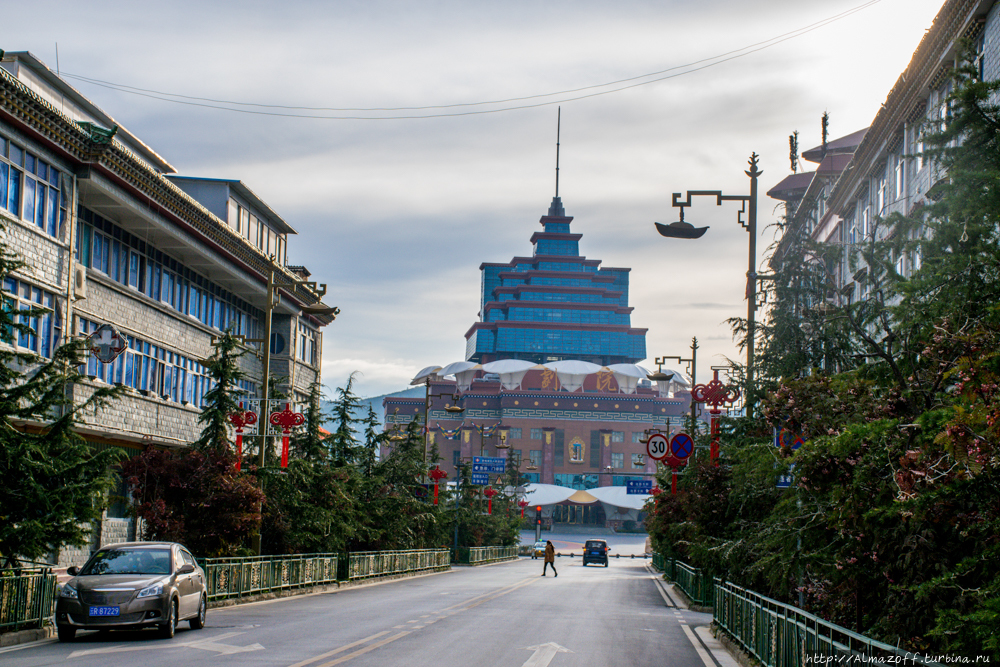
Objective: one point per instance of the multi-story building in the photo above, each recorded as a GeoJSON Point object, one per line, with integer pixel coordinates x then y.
{"type": "Point", "coordinates": [579, 431]}
{"type": "Point", "coordinates": [110, 234]}
{"type": "Point", "coordinates": [886, 172]}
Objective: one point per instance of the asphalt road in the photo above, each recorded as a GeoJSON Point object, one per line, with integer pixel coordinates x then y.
{"type": "Point", "coordinates": [504, 614]}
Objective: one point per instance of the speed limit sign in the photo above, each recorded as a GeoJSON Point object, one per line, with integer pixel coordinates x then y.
{"type": "Point", "coordinates": [657, 446]}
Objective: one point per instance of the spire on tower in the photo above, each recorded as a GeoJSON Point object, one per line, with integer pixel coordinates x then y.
{"type": "Point", "coordinates": [556, 208]}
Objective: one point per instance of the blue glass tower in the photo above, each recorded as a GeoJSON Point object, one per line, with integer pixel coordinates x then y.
{"type": "Point", "coordinates": [554, 305]}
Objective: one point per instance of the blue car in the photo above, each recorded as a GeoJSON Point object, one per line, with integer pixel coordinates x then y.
{"type": "Point", "coordinates": [596, 551]}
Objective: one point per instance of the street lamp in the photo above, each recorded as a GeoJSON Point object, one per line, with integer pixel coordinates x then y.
{"type": "Point", "coordinates": [692, 366]}
{"type": "Point", "coordinates": [684, 230]}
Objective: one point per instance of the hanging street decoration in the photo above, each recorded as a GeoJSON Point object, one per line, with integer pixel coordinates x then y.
{"type": "Point", "coordinates": [106, 343]}
{"type": "Point", "coordinates": [715, 394]}
{"type": "Point", "coordinates": [243, 419]}
{"type": "Point", "coordinates": [489, 492]}
{"type": "Point", "coordinates": [286, 420]}
{"type": "Point", "coordinates": [522, 504]}
{"type": "Point", "coordinates": [437, 475]}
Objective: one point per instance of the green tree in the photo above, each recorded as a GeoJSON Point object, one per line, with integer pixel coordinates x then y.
{"type": "Point", "coordinates": [221, 400]}
{"type": "Point", "coordinates": [54, 481]}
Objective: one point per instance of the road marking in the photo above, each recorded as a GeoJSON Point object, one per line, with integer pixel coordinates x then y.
{"type": "Point", "coordinates": [208, 644]}
{"type": "Point", "coordinates": [543, 654]}
{"type": "Point", "coordinates": [663, 593]}
{"type": "Point", "coordinates": [719, 652]}
{"type": "Point", "coordinates": [502, 592]}
{"type": "Point", "coordinates": [702, 653]}
{"type": "Point", "coordinates": [342, 649]}
{"type": "Point", "coordinates": [364, 650]}
{"type": "Point", "coordinates": [21, 647]}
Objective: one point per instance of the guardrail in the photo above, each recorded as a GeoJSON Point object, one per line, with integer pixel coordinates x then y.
{"type": "Point", "coordinates": [239, 577]}
{"type": "Point", "coordinates": [780, 635]}
{"type": "Point", "coordinates": [27, 597]}
{"type": "Point", "coordinates": [697, 586]}
{"type": "Point", "coordinates": [364, 564]}
{"type": "Point", "coordinates": [483, 555]}
{"type": "Point", "coordinates": [658, 562]}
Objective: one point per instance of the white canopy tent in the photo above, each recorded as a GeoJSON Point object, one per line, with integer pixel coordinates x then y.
{"type": "Point", "coordinates": [572, 372]}
{"type": "Point", "coordinates": [511, 371]}
{"type": "Point", "coordinates": [425, 373]}
{"type": "Point", "coordinates": [628, 376]}
{"type": "Point", "coordinates": [463, 371]}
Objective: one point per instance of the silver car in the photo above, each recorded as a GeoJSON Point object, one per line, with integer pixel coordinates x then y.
{"type": "Point", "coordinates": [133, 585]}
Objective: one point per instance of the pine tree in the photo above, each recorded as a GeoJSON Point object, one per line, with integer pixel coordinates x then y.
{"type": "Point", "coordinates": [343, 441]}
{"type": "Point", "coordinates": [221, 400]}
{"type": "Point", "coordinates": [54, 481]}
{"type": "Point", "coordinates": [308, 443]}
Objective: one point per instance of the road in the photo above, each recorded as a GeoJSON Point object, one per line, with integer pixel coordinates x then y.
{"type": "Point", "coordinates": [503, 614]}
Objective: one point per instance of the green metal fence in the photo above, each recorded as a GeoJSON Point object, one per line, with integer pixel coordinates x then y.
{"type": "Point", "coordinates": [658, 562]}
{"type": "Point", "coordinates": [697, 586]}
{"type": "Point", "coordinates": [483, 555]}
{"type": "Point", "coordinates": [362, 565]}
{"type": "Point", "coordinates": [239, 577]}
{"type": "Point", "coordinates": [780, 635]}
{"type": "Point", "coordinates": [27, 597]}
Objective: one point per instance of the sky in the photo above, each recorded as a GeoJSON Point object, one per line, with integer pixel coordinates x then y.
{"type": "Point", "coordinates": [396, 210]}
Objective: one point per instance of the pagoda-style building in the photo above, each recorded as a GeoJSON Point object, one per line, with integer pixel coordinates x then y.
{"type": "Point", "coordinates": [555, 305]}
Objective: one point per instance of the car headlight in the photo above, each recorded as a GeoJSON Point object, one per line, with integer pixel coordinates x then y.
{"type": "Point", "coordinates": [68, 592]}
{"type": "Point", "coordinates": [150, 591]}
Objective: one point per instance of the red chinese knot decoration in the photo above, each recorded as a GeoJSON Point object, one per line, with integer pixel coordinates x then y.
{"type": "Point", "coordinates": [715, 394]}
{"type": "Point", "coordinates": [239, 420]}
{"type": "Point", "coordinates": [489, 492]}
{"type": "Point", "coordinates": [522, 504]}
{"type": "Point", "coordinates": [437, 475]}
{"type": "Point", "coordinates": [286, 420]}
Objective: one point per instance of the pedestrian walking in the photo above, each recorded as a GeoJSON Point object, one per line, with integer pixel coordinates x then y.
{"type": "Point", "coordinates": [550, 558]}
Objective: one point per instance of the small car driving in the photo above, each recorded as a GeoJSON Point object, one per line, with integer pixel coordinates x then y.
{"type": "Point", "coordinates": [595, 551]}
{"type": "Point", "coordinates": [133, 585]}
{"type": "Point", "coordinates": [538, 550]}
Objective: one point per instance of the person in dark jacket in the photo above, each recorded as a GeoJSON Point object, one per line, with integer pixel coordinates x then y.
{"type": "Point", "coordinates": [550, 559]}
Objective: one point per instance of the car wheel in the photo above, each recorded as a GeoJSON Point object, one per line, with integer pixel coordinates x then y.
{"type": "Point", "coordinates": [198, 622]}
{"type": "Point", "coordinates": [605, 563]}
{"type": "Point", "coordinates": [66, 633]}
{"type": "Point", "coordinates": [169, 629]}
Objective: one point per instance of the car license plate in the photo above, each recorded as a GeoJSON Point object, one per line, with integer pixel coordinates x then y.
{"type": "Point", "coordinates": [595, 553]}
{"type": "Point", "coordinates": [105, 611]}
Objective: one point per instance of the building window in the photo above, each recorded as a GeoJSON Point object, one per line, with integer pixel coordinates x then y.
{"type": "Point", "coordinates": [307, 345]}
{"type": "Point", "coordinates": [880, 196]}
{"type": "Point", "coordinates": [536, 434]}
{"type": "Point", "coordinates": [30, 188]}
{"type": "Point", "coordinates": [515, 457]}
{"type": "Point", "coordinates": [866, 223]}
{"type": "Point", "coordinates": [514, 433]}
{"type": "Point", "coordinates": [536, 457]}
{"type": "Point", "coordinates": [617, 436]}
{"type": "Point", "coordinates": [617, 460]}
{"type": "Point", "coordinates": [637, 461]}
{"type": "Point", "coordinates": [637, 437]}
{"type": "Point", "coordinates": [46, 328]}
{"type": "Point", "coordinates": [900, 170]}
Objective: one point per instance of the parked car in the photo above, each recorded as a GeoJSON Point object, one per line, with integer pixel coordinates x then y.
{"type": "Point", "coordinates": [133, 585]}
{"type": "Point", "coordinates": [596, 551]}
{"type": "Point", "coordinates": [538, 550]}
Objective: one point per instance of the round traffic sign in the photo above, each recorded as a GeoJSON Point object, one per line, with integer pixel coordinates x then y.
{"type": "Point", "coordinates": [681, 445]}
{"type": "Point", "coordinates": [657, 446]}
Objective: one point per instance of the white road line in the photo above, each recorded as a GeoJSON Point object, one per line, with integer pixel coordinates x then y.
{"type": "Point", "coordinates": [663, 593]}
{"type": "Point", "coordinates": [208, 644]}
{"type": "Point", "coordinates": [715, 646]}
{"type": "Point", "coordinates": [702, 653]}
{"type": "Point", "coordinates": [341, 649]}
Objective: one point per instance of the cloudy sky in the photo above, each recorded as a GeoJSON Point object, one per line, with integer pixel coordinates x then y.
{"type": "Point", "coordinates": [408, 142]}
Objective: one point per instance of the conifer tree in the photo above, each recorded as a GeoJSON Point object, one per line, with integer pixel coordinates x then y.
{"type": "Point", "coordinates": [308, 442]}
{"type": "Point", "coordinates": [221, 400]}
{"type": "Point", "coordinates": [54, 481]}
{"type": "Point", "coordinates": [343, 441]}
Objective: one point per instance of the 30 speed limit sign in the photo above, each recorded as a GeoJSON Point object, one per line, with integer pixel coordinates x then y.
{"type": "Point", "coordinates": [658, 447]}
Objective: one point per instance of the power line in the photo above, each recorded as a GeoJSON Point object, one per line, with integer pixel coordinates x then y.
{"type": "Point", "coordinates": [670, 73]}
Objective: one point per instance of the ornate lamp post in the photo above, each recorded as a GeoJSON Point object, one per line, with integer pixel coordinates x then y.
{"type": "Point", "coordinates": [684, 230]}
{"type": "Point", "coordinates": [522, 504]}
{"type": "Point", "coordinates": [692, 366]}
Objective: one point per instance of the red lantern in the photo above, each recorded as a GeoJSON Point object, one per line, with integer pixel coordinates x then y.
{"type": "Point", "coordinates": [489, 492]}
{"type": "Point", "coordinates": [287, 420]}
{"type": "Point", "coordinates": [522, 504]}
{"type": "Point", "coordinates": [239, 420]}
{"type": "Point", "coordinates": [436, 474]}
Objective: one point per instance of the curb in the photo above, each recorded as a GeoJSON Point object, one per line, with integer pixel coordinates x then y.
{"type": "Point", "coordinates": [26, 636]}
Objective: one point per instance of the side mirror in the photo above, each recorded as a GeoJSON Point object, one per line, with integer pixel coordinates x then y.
{"type": "Point", "coordinates": [73, 571]}
{"type": "Point", "coordinates": [186, 568]}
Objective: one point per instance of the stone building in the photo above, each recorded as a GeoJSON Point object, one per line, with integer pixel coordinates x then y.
{"type": "Point", "coordinates": [111, 234]}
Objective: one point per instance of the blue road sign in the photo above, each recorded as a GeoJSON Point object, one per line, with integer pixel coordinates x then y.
{"type": "Point", "coordinates": [638, 486]}
{"type": "Point", "coordinates": [480, 479]}
{"type": "Point", "coordinates": [785, 481]}
{"type": "Point", "coordinates": [681, 445]}
{"type": "Point", "coordinates": [489, 464]}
